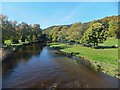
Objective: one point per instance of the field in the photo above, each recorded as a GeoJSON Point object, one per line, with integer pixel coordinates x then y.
{"type": "Point", "coordinates": [106, 58]}
{"type": "Point", "coordinates": [110, 42]}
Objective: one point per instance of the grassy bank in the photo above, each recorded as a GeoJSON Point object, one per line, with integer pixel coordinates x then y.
{"type": "Point", "coordinates": [110, 42]}
{"type": "Point", "coordinates": [107, 59]}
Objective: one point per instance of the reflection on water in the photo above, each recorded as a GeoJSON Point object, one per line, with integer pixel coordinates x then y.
{"type": "Point", "coordinates": [35, 66]}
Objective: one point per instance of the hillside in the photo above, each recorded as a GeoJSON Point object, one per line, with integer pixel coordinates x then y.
{"type": "Point", "coordinates": [75, 31]}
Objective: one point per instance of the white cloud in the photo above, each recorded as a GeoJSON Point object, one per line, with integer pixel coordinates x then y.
{"type": "Point", "coordinates": [71, 15]}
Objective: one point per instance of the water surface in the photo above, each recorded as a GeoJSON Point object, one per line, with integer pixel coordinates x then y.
{"type": "Point", "coordinates": [35, 66]}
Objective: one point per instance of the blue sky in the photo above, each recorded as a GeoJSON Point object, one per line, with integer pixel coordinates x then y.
{"type": "Point", "coordinates": [56, 13]}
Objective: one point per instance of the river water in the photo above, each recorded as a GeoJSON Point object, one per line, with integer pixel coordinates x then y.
{"type": "Point", "coordinates": [35, 66]}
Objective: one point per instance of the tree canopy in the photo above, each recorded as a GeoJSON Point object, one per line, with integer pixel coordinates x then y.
{"type": "Point", "coordinates": [97, 33]}
{"type": "Point", "coordinates": [75, 32]}
{"type": "Point", "coordinates": [19, 32]}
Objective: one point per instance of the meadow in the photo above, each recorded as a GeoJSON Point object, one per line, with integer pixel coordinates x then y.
{"type": "Point", "coordinates": [106, 58]}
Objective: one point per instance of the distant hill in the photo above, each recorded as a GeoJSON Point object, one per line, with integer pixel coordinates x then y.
{"type": "Point", "coordinates": [75, 31]}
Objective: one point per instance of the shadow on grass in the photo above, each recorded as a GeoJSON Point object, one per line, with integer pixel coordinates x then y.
{"type": "Point", "coordinates": [105, 47]}
{"type": "Point", "coordinates": [61, 47]}
{"type": "Point", "coordinates": [53, 44]}
{"type": "Point", "coordinates": [68, 54]}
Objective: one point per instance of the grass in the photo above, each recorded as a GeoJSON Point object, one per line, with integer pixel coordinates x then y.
{"type": "Point", "coordinates": [106, 58]}
{"type": "Point", "coordinates": [9, 42]}
{"type": "Point", "coordinates": [110, 42]}
{"type": "Point", "coordinates": [13, 46]}
{"type": "Point", "coordinates": [18, 44]}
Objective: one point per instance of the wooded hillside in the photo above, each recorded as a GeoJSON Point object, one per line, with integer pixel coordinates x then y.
{"type": "Point", "coordinates": [75, 32]}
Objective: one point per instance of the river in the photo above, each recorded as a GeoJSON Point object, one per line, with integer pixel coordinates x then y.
{"type": "Point", "coordinates": [35, 66]}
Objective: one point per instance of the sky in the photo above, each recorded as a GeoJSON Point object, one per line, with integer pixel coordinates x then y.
{"type": "Point", "coordinates": [58, 13]}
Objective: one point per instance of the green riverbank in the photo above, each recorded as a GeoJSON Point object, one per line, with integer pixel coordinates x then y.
{"type": "Point", "coordinates": [106, 59]}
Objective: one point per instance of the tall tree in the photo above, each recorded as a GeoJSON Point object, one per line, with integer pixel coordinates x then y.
{"type": "Point", "coordinates": [95, 34]}
{"type": "Point", "coordinates": [25, 31]}
{"type": "Point", "coordinates": [8, 30]}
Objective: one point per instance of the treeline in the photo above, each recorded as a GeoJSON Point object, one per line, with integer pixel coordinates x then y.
{"type": "Point", "coordinates": [14, 33]}
{"type": "Point", "coordinates": [76, 32]}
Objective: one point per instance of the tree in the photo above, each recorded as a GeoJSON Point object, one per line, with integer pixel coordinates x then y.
{"type": "Point", "coordinates": [25, 31]}
{"type": "Point", "coordinates": [76, 31]}
{"type": "Point", "coordinates": [16, 33]}
{"type": "Point", "coordinates": [113, 26]}
{"type": "Point", "coordinates": [36, 32]}
{"type": "Point", "coordinates": [118, 33]}
{"type": "Point", "coordinates": [95, 34]}
{"type": "Point", "coordinates": [118, 30]}
{"type": "Point", "coordinates": [8, 30]}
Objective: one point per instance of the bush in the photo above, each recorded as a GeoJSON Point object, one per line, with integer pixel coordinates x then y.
{"type": "Point", "coordinates": [8, 42]}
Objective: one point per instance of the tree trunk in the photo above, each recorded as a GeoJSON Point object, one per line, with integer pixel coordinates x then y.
{"type": "Point", "coordinates": [96, 44]}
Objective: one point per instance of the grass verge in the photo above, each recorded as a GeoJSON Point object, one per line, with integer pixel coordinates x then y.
{"type": "Point", "coordinates": [107, 59]}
